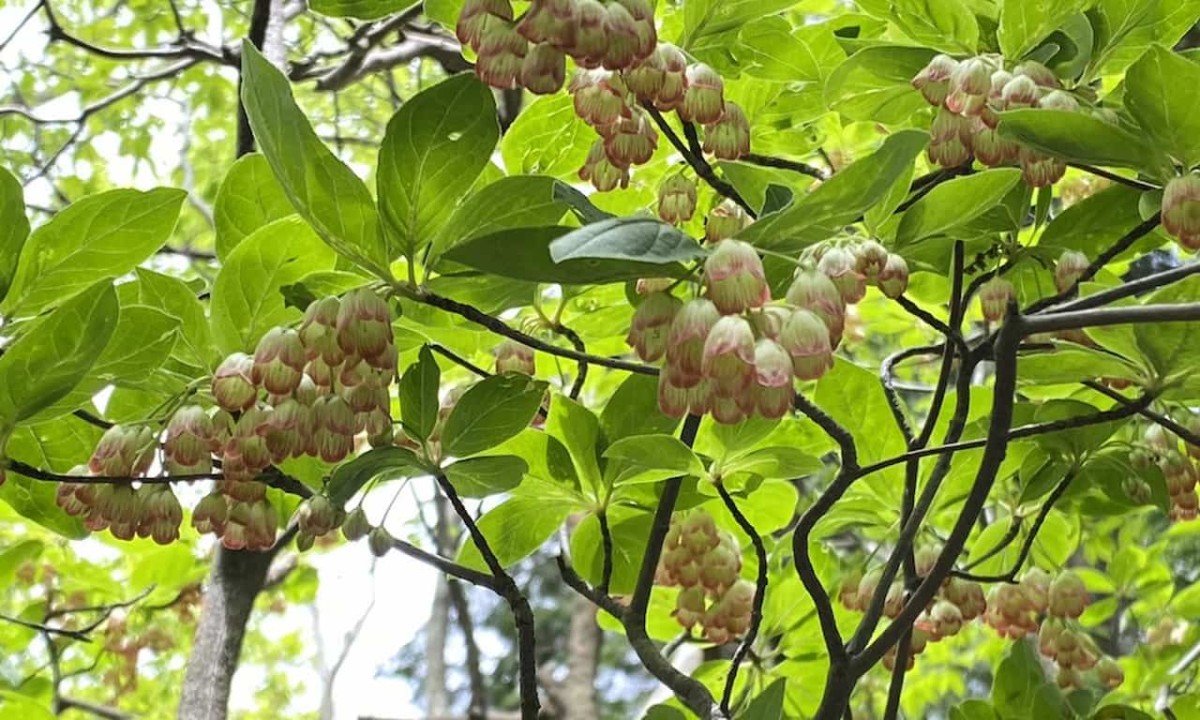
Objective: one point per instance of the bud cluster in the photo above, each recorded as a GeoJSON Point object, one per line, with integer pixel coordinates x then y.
{"type": "Point", "coordinates": [306, 392]}
{"type": "Point", "coordinates": [706, 563]}
{"type": "Point", "coordinates": [734, 352]}
{"type": "Point", "coordinates": [1177, 461]}
{"type": "Point", "coordinates": [969, 95]}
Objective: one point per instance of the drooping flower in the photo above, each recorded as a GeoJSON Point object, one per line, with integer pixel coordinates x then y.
{"type": "Point", "coordinates": [729, 137]}
{"type": "Point", "coordinates": [728, 358]}
{"type": "Point", "coordinates": [893, 279]}
{"type": "Point", "coordinates": [933, 82]}
{"type": "Point", "coordinates": [704, 98]}
{"type": "Point", "coordinates": [1181, 210]}
{"type": "Point", "coordinates": [685, 342]}
{"type": "Point", "coordinates": [994, 296]}
{"type": "Point", "coordinates": [601, 171]}
{"type": "Point", "coordinates": [806, 339]}
{"type": "Point", "coordinates": [651, 325]}
{"type": "Point", "coordinates": [676, 199]}
{"type": "Point", "coordinates": [233, 385]}
{"type": "Point", "coordinates": [279, 361]}
{"type": "Point", "coordinates": [773, 372]}
{"type": "Point", "coordinates": [512, 356]}
{"type": "Point", "coordinates": [734, 278]}
{"type": "Point", "coordinates": [1070, 267]}
{"type": "Point", "coordinates": [543, 69]}
{"type": "Point", "coordinates": [838, 264]}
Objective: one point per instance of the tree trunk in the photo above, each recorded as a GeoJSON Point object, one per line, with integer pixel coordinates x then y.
{"type": "Point", "coordinates": [437, 700]}
{"type": "Point", "coordinates": [236, 578]}
{"type": "Point", "coordinates": [578, 689]}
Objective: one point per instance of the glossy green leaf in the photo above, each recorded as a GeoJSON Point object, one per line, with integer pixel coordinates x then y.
{"type": "Point", "coordinates": [973, 710]}
{"type": "Point", "coordinates": [418, 395]}
{"type": "Point", "coordinates": [954, 203]}
{"type": "Point", "coordinates": [325, 192]}
{"type": "Point", "coordinates": [854, 397]}
{"type": "Point", "coordinates": [490, 412]}
{"type": "Point", "coordinates": [633, 410]}
{"type": "Point", "coordinates": [579, 430]}
{"type": "Point", "coordinates": [14, 228]}
{"type": "Point", "coordinates": [711, 17]}
{"type": "Point", "coordinates": [515, 529]}
{"type": "Point", "coordinates": [1025, 23]}
{"type": "Point", "coordinates": [773, 462]}
{"type": "Point", "coordinates": [875, 84]}
{"type": "Point", "coordinates": [479, 477]}
{"type": "Point", "coordinates": [56, 446]}
{"type": "Point", "coordinates": [1171, 348]}
{"type": "Point", "coordinates": [661, 452]}
{"type": "Point", "coordinates": [56, 353]}
{"type": "Point", "coordinates": [1016, 683]}
{"type": "Point", "coordinates": [1155, 95]}
{"type": "Point", "coordinates": [387, 462]}
{"type": "Point", "coordinates": [510, 202]}
{"type": "Point", "coordinates": [1094, 224]}
{"type": "Point", "coordinates": [360, 9]}
{"type": "Point", "coordinates": [629, 529]}
{"type": "Point", "coordinates": [841, 199]}
{"type": "Point", "coordinates": [1076, 137]}
{"type": "Point", "coordinates": [547, 138]}
{"type": "Point", "coordinates": [175, 298]}
{"type": "Point", "coordinates": [434, 148]}
{"type": "Point", "coordinates": [768, 704]}
{"type": "Point", "coordinates": [103, 235]}
{"type": "Point", "coordinates": [947, 25]}
{"type": "Point", "coordinates": [246, 299]}
{"type": "Point", "coordinates": [524, 254]}
{"type": "Point", "coordinates": [1128, 27]}
{"type": "Point", "coordinates": [636, 239]}
{"type": "Point", "coordinates": [249, 198]}
{"type": "Point", "coordinates": [773, 50]}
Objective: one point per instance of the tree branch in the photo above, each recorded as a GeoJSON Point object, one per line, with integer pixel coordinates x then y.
{"type": "Point", "coordinates": [1127, 289]}
{"type": "Point", "coordinates": [1119, 179]}
{"type": "Point", "coordinates": [577, 343]}
{"type": "Point", "coordinates": [1186, 435]}
{"type": "Point", "coordinates": [785, 164]}
{"type": "Point", "coordinates": [760, 594]}
{"type": "Point", "coordinates": [702, 168]}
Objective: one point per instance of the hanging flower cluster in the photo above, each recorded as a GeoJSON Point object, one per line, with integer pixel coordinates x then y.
{"type": "Point", "coordinates": [1181, 210]}
{"type": "Point", "coordinates": [706, 563]}
{"type": "Point", "coordinates": [306, 392]}
{"type": "Point", "coordinates": [1177, 462]}
{"type": "Point", "coordinates": [970, 94]}
{"type": "Point", "coordinates": [733, 353]}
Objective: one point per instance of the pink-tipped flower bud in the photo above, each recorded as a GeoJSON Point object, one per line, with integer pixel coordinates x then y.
{"type": "Point", "coordinates": [1109, 673]}
{"type": "Point", "coordinates": [1070, 267]}
{"type": "Point", "coordinates": [642, 12]}
{"type": "Point", "coordinates": [333, 428]}
{"type": "Point", "coordinates": [232, 385]}
{"type": "Point", "coordinates": [946, 620]}
{"type": "Point", "coordinates": [686, 339]}
{"type": "Point", "coordinates": [279, 361]}
{"type": "Point", "coordinates": [933, 82]}
{"type": "Point", "coordinates": [675, 401]}
{"type": "Point", "coordinates": [379, 541]}
{"type": "Point", "coordinates": [1068, 597]}
{"type": "Point", "coordinates": [1059, 100]}
{"type": "Point", "coordinates": [948, 153]}
{"type": "Point", "coordinates": [550, 21]}
{"type": "Point", "coordinates": [621, 34]}
{"type": "Point", "coordinates": [161, 514]}
{"type": "Point", "coordinates": [773, 375]}
{"type": "Point", "coordinates": [734, 278]}
{"type": "Point", "coordinates": [719, 569]}
{"type": "Point", "coordinates": [502, 53]}
{"type": "Point", "coordinates": [364, 324]}
{"type": "Point", "coordinates": [676, 199]}
{"type": "Point", "coordinates": [837, 263]}
{"type": "Point", "coordinates": [123, 451]}
{"type": "Point", "coordinates": [728, 359]}
{"type": "Point", "coordinates": [729, 137]}
{"type": "Point", "coordinates": [993, 149]}
{"type": "Point", "coordinates": [630, 141]}
{"type": "Point", "coordinates": [994, 297]}
{"type": "Point", "coordinates": [210, 514]}
{"type": "Point", "coordinates": [948, 126]}
{"type": "Point", "coordinates": [972, 76]}
{"type": "Point", "coordinates": [1040, 170]}
{"type": "Point", "coordinates": [601, 171]}
{"type": "Point", "coordinates": [1039, 73]}
{"type": "Point", "coordinates": [704, 98]}
{"type": "Point", "coordinates": [813, 290]}
{"type": "Point", "coordinates": [543, 70]}
{"type": "Point", "coordinates": [356, 525]}
{"type": "Point", "coordinates": [651, 325]}
{"type": "Point", "coordinates": [675, 81]}
{"type": "Point", "coordinates": [869, 259]}
{"type": "Point", "coordinates": [1035, 584]}
{"type": "Point", "coordinates": [1181, 210]}
{"type": "Point", "coordinates": [473, 18]}
{"type": "Point", "coordinates": [599, 97]}
{"type": "Point", "coordinates": [645, 78]}
{"type": "Point", "coordinates": [318, 331]}
{"type": "Point", "coordinates": [591, 40]}
{"type": "Point", "coordinates": [316, 516]}
{"type": "Point", "coordinates": [725, 221]}
{"type": "Point", "coordinates": [690, 606]}
{"type": "Point", "coordinates": [189, 439]}
{"type": "Point", "coordinates": [515, 357]}
{"type": "Point", "coordinates": [1020, 92]}
{"type": "Point", "coordinates": [893, 278]}
{"type": "Point", "coordinates": [806, 338]}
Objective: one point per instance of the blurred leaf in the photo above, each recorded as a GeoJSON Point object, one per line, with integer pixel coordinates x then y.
{"type": "Point", "coordinates": [249, 198]}
{"type": "Point", "coordinates": [14, 228]}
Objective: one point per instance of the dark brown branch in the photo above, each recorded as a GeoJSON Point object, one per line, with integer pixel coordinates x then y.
{"type": "Point", "coordinates": [1010, 534]}
{"type": "Point", "coordinates": [1119, 179]}
{"type": "Point", "coordinates": [760, 594]}
{"type": "Point", "coordinates": [1158, 418]}
{"type": "Point", "coordinates": [579, 585]}
{"type": "Point", "coordinates": [1128, 289]}
{"type": "Point", "coordinates": [577, 343]}
{"type": "Point", "coordinates": [459, 360]}
{"type": "Point", "coordinates": [785, 164]}
{"type": "Point", "coordinates": [840, 435]}
{"type": "Point", "coordinates": [445, 565]}
{"type": "Point", "coordinates": [186, 48]}
{"type": "Point", "coordinates": [103, 711]}
{"type": "Point", "coordinates": [41, 627]}
{"type": "Point", "coordinates": [606, 543]}
{"type": "Point", "coordinates": [1102, 317]}
{"type": "Point", "coordinates": [697, 162]}
{"type": "Point", "coordinates": [899, 671]}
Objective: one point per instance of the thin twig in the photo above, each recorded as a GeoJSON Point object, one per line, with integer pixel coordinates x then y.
{"type": "Point", "coordinates": [1184, 434]}
{"type": "Point", "coordinates": [577, 343]}
{"type": "Point", "coordinates": [785, 164]}
{"type": "Point", "coordinates": [702, 168]}
{"type": "Point", "coordinates": [606, 543]}
{"type": "Point", "coordinates": [40, 627]}
{"type": "Point", "coordinates": [1109, 175]}
{"type": "Point", "coordinates": [760, 594]}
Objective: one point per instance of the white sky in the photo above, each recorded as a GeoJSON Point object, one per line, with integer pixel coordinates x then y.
{"type": "Point", "coordinates": [404, 586]}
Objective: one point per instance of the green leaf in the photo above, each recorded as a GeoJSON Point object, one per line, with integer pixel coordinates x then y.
{"type": "Point", "coordinates": [875, 84]}
{"type": "Point", "coordinates": [954, 203]}
{"type": "Point", "coordinates": [1025, 23]}
{"type": "Point", "coordinates": [140, 343]}
{"type": "Point", "coordinates": [510, 202]}
{"type": "Point", "coordinates": [524, 254]}
{"type": "Point", "coordinates": [16, 705]}
{"type": "Point", "coordinates": [633, 410]}
{"type": "Point", "coordinates": [767, 705]}
{"type": "Point", "coordinates": [490, 412]}
{"type": "Point", "coordinates": [479, 477]}
{"type": "Point", "coordinates": [249, 198]}
{"type": "Point", "coordinates": [637, 239]}
{"type": "Point", "coordinates": [973, 710]}
{"type": "Point", "coordinates": [56, 352]}
{"type": "Point", "coordinates": [443, 11]}
{"type": "Point", "coordinates": [1128, 27]}
{"type": "Point", "coordinates": [1076, 137]}
{"type": "Point", "coordinates": [57, 446]}
{"type": "Point", "coordinates": [360, 9]}
{"type": "Point", "coordinates": [547, 138]}
{"type": "Point", "coordinates": [434, 148]}
{"type": "Point", "coordinates": [947, 25]}
{"type": "Point", "coordinates": [175, 298]}
{"type": "Point", "coordinates": [773, 50]}
{"type": "Point", "coordinates": [659, 452]}
{"type": "Point", "coordinates": [16, 555]}
{"type": "Point", "coordinates": [1016, 683]}
{"type": "Point", "coordinates": [246, 301]}
{"type": "Point", "coordinates": [418, 395]}
{"type": "Point", "coordinates": [711, 17]}
{"type": "Point", "coordinates": [853, 396]}
{"type": "Point", "coordinates": [1171, 348]}
{"type": "Point", "coordinates": [841, 199]}
{"type": "Point", "coordinates": [1121, 712]}
{"type": "Point", "coordinates": [579, 430]}
{"type": "Point", "coordinates": [773, 462]}
{"type": "Point", "coordinates": [103, 235]}
{"type": "Point", "coordinates": [1096, 223]}
{"type": "Point", "coordinates": [1156, 95]}
{"type": "Point", "coordinates": [1072, 363]}
{"type": "Point", "coordinates": [325, 192]}
{"type": "Point", "coordinates": [392, 462]}
{"type": "Point", "coordinates": [629, 529]}
{"type": "Point", "coordinates": [515, 529]}
{"type": "Point", "coordinates": [14, 228]}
